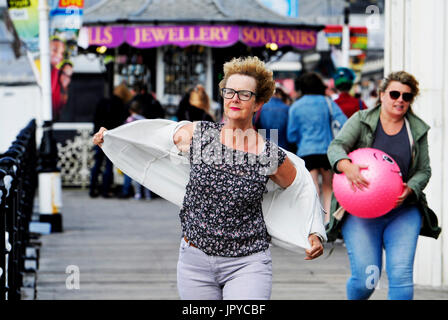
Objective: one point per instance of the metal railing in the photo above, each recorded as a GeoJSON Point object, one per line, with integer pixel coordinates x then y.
{"type": "Point", "coordinates": [18, 183]}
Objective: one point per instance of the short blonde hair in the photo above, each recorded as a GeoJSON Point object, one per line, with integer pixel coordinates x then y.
{"type": "Point", "coordinates": [255, 68]}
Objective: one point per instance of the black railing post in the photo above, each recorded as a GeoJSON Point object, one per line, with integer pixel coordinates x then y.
{"type": "Point", "coordinates": [18, 183]}
{"type": "Point", "coordinates": [10, 165]}
{"type": "Point", "coordinates": [2, 233]}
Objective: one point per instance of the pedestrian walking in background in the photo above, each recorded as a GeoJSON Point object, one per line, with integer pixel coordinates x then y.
{"type": "Point", "coordinates": [135, 111]}
{"type": "Point", "coordinates": [393, 128]}
{"type": "Point", "coordinates": [309, 128]}
{"type": "Point", "coordinates": [332, 92]}
{"type": "Point", "coordinates": [283, 94]}
{"type": "Point", "coordinates": [274, 116]}
{"type": "Point", "coordinates": [109, 113]}
{"type": "Point", "coordinates": [151, 107]}
{"type": "Point", "coordinates": [372, 101]}
{"type": "Point", "coordinates": [343, 81]}
{"type": "Point", "coordinates": [224, 252]}
{"type": "Point", "coordinates": [194, 105]}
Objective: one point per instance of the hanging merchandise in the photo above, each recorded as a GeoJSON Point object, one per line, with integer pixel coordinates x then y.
{"type": "Point", "coordinates": [358, 45]}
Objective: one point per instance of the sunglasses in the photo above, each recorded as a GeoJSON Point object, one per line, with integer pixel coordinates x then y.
{"type": "Point", "coordinates": [407, 96]}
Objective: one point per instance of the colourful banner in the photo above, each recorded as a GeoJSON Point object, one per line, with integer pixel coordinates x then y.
{"type": "Point", "coordinates": [358, 36]}
{"type": "Point", "coordinates": [212, 36]}
{"type": "Point", "coordinates": [66, 21]}
{"type": "Point", "coordinates": [334, 35]}
{"type": "Point", "coordinates": [25, 17]}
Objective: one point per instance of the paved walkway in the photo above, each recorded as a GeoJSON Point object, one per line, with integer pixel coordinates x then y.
{"type": "Point", "coordinates": [127, 249]}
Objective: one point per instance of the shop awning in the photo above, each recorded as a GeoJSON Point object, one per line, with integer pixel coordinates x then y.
{"type": "Point", "coordinates": [149, 36]}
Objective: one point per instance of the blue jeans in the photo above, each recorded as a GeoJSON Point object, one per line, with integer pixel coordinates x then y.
{"type": "Point", "coordinates": [100, 157]}
{"type": "Point", "coordinates": [126, 185]}
{"type": "Point", "coordinates": [397, 232]}
{"type": "Point", "coordinates": [126, 191]}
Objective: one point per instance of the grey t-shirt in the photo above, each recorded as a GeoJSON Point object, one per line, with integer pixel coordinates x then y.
{"type": "Point", "coordinates": [397, 146]}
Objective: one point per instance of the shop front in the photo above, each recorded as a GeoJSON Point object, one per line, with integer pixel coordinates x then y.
{"type": "Point", "coordinates": [172, 58]}
{"type": "Point", "coordinates": [170, 45]}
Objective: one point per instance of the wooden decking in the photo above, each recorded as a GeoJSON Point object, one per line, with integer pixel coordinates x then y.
{"type": "Point", "coordinates": [127, 249]}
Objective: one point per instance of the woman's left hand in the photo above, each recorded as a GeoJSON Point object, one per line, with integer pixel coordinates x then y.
{"type": "Point", "coordinates": [406, 192]}
{"type": "Point", "coordinates": [317, 249]}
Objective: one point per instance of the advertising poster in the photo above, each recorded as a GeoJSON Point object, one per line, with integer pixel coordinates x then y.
{"type": "Point", "coordinates": [65, 22]}
{"type": "Point", "coordinates": [25, 17]}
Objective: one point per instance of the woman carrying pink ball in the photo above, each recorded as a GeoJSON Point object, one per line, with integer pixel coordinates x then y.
{"type": "Point", "coordinates": [393, 128]}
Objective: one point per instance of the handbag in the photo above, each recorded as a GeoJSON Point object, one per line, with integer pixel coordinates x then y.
{"type": "Point", "coordinates": [335, 125]}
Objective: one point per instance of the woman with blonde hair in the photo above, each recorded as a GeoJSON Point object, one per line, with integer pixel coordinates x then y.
{"type": "Point", "coordinates": [195, 105]}
{"type": "Point", "coordinates": [122, 91]}
{"type": "Point", "coordinates": [392, 127]}
{"type": "Point", "coordinates": [224, 252]}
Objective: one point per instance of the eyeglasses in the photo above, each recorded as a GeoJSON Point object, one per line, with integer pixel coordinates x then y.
{"type": "Point", "coordinates": [407, 96]}
{"type": "Point", "coordinates": [243, 95]}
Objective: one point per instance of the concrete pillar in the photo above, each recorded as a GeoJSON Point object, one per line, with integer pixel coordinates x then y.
{"type": "Point", "coordinates": [160, 74]}
{"type": "Point", "coordinates": [416, 41]}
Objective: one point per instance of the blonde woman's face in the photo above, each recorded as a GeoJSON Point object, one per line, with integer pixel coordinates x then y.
{"type": "Point", "coordinates": [235, 108]}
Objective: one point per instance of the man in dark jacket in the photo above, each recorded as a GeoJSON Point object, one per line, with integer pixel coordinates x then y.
{"type": "Point", "coordinates": [152, 109]}
{"type": "Point", "coordinates": [109, 113]}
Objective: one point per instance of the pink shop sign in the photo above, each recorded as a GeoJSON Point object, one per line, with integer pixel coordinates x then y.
{"type": "Point", "coordinates": [207, 35]}
{"type": "Point", "coordinates": [155, 36]}
{"type": "Point", "coordinates": [110, 36]}
{"type": "Point", "coordinates": [182, 36]}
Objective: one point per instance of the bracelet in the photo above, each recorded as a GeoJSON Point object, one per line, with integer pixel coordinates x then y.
{"type": "Point", "coordinates": [318, 235]}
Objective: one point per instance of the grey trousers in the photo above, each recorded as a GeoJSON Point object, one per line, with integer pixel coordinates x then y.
{"type": "Point", "coordinates": [204, 277]}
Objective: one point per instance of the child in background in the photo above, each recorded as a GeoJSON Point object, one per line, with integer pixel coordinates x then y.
{"type": "Point", "coordinates": [135, 111]}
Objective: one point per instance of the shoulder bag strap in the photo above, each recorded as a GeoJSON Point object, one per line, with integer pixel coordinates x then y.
{"type": "Point", "coordinates": [411, 139]}
{"type": "Point", "coordinates": [330, 109]}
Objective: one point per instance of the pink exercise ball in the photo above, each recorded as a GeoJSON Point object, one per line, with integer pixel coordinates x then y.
{"type": "Point", "coordinates": [385, 185]}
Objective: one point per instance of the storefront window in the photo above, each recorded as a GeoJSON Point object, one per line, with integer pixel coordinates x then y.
{"type": "Point", "coordinates": [131, 69]}
{"type": "Point", "coordinates": [184, 68]}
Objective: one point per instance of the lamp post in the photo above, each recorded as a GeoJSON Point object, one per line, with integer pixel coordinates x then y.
{"type": "Point", "coordinates": [345, 55]}
{"type": "Point", "coordinates": [50, 190]}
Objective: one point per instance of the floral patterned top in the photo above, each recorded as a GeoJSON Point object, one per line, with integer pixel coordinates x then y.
{"type": "Point", "coordinates": [222, 208]}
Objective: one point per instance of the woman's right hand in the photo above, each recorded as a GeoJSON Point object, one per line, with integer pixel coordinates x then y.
{"type": "Point", "coordinates": [353, 174]}
{"type": "Point", "coordinates": [98, 138]}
